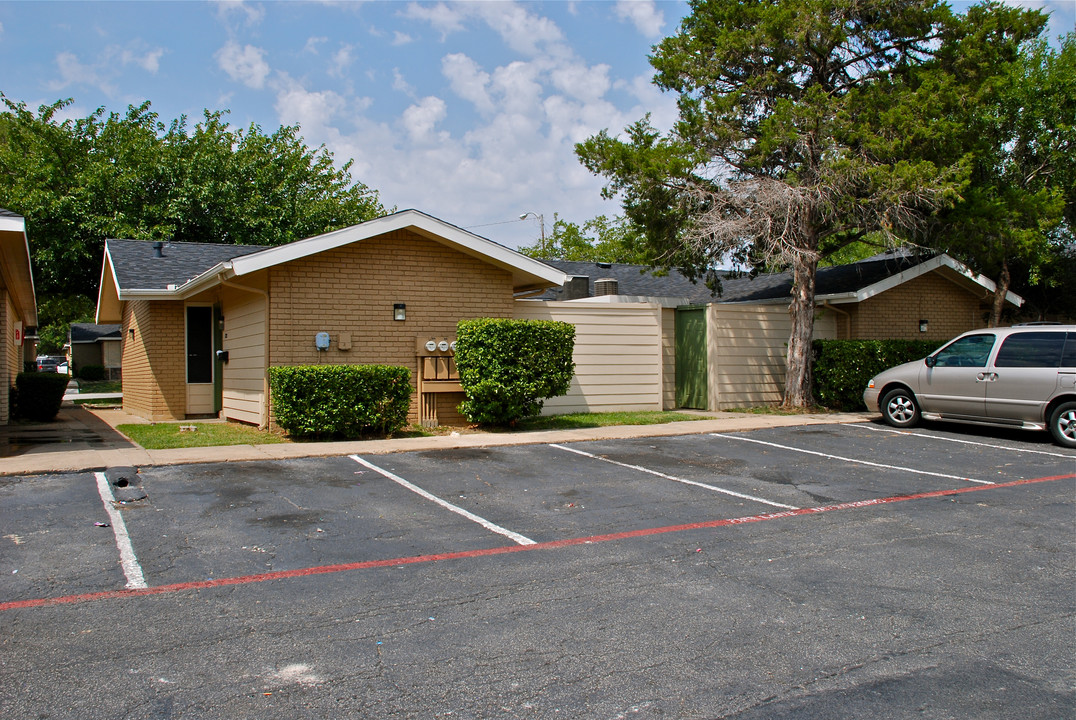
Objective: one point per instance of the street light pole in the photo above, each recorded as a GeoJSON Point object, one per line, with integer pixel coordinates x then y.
{"type": "Point", "coordinates": [541, 225]}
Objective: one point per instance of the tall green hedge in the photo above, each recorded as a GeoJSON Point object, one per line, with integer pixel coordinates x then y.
{"type": "Point", "coordinates": [842, 368]}
{"type": "Point", "coordinates": [38, 395]}
{"type": "Point", "coordinates": [344, 401]}
{"type": "Point", "coordinates": [509, 367]}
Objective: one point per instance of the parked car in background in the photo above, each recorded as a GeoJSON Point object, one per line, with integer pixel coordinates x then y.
{"type": "Point", "coordinates": [1023, 377]}
{"type": "Point", "coordinates": [47, 363]}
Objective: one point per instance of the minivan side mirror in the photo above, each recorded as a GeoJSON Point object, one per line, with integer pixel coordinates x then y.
{"type": "Point", "coordinates": [929, 360]}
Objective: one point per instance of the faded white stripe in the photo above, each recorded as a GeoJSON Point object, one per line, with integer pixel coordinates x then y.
{"type": "Point", "coordinates": [131, 569]}
{"type": "Point", "coordinates": [714, 488]}
{"type": "Point", "coordinates": [853, 460]}
{"type": "Point", "coordinates": [445, 504]}
{"type": "Point", "coordinates": [965, 442]}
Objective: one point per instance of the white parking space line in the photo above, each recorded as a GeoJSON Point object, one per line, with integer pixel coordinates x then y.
{"type": "Point", "coordinates": [714, 488]}
{"type": "Point", "coordinates": [966, 442]}
{"type": "Point", "coordinates": [131, 569]}
{"type": "Point", "coordinates": [514, 536]}
{"type": "Point", "coordinates": [853, 460]}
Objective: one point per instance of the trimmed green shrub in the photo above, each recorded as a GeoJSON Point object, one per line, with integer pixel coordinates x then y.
{"type": "Point", "coordinates": [508, 367]}
{"type": "Point", "coordinates": [92, 373]}
{"type": "Point", "coordinates": [39, 395]}
{"type": "Point", "coordinates": [842, 368]}
{"type": "Point", "coordinates": [345, 401]}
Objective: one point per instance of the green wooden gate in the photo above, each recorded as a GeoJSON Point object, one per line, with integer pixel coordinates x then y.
{"type": "Point", "coordinates": [691, 358]}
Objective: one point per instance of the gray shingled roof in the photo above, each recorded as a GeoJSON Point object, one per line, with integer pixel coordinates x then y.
{"type": "Point", "coordinates": [8, 213]}
{"type": "Point", "coordinates": [91, 332]}
{"type": "Point", "coordinates": [644, 281]}
{"type": "Point", "coordinates": [137, 266]}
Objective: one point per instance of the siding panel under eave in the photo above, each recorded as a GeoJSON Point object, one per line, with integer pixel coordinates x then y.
{"type": "Point", "coordinates": [243, 384]}
{"type": "Point", "coordinates": [748, 347]}
{"type": "Point", "coordinates": [618, 355]}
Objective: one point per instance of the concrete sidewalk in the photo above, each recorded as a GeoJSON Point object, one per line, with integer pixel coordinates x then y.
{"type": "Point", "coordinates": [112, 449]}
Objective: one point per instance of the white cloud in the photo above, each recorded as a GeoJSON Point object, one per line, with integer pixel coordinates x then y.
{"type": "Point", "coordinates": [244, 64]}
{"type": "Point", "coordinates": [582, 81]}
{"type": "Point", "coordinates": [341, 61]}
{"type": "Point", "coordinates": [314, 111]}
{"type": "Point", "coordinates": [400, 84]}
{"type": "Point", "coordinates": [442, 17]}
{"type": "Point", "coordinates": [149, 61]}
{"type": "Point", "coordinates": [400, 38]}
{"type": "Point", "coordinates": [74, 72]}
{"type": "Point", "coordinates": [523, 31]}
{"type": "Point", "coordinates": [313, 43]}
{"type": "Point", "coordinates": [647, 19]}
{"type": "Point", "coordinates": [419, 120]}
{"type": "Point", "coordinates": [250, 14]}
{"type": "Point", "coordinates": [467, 80]}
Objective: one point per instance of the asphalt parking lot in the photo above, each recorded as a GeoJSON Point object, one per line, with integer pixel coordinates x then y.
{"type": "Point", "coordinates": [818, 572]}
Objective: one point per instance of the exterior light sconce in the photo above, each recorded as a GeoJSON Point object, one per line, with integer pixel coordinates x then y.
{"type": "Point", "coordinates": [922, 326]}
{"type": "Point", "coordinates": [399, 311]}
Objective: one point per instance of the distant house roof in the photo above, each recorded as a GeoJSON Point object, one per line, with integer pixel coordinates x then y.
{"type": "Point", "coordinates": [92, 332]}
{"type": "Point", "coordinates": [840, 283]}
{"type": "Point", "coordinates": [133, 269]}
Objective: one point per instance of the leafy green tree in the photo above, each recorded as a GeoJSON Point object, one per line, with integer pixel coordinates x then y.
{"type": "Point", "coordinates": [1017, 130]}
{"type": "Point", "coordinates": [600, 239]}
{"type": "Point", "coordinates": [795, 117]}
{"type": "Point", "coordinates": [78, 181]}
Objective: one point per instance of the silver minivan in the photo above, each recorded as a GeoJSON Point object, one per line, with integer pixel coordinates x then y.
{"type": "Point", "coordinates": [1023, 376]}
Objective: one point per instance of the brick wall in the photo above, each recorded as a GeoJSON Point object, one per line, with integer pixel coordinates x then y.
{"type": "Point", "coordinates": [895, 314]}
{"type": "Point", "coordinates": [8, 357]}
{"type": "Point", "coordinates": [351, 290]}
{"type": "Point", "coordinates": [154, 368]}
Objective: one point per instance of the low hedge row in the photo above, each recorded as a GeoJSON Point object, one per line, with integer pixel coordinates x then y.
{"type": "Point", "coordinates": [38, 395]}
{"type": "Point", "coordinates": [344, 401]}
{"type": "Point", "coordinates": [842, 368]}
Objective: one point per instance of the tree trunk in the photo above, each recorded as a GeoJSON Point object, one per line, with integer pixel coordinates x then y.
{"type": "Point", "coordinates": [1001, 290]}
{"type": "Point", "coordinates": [798, 380]}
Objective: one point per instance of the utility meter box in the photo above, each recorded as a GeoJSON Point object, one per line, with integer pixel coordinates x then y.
{"type": "Point", "coordinates": [321, 341]}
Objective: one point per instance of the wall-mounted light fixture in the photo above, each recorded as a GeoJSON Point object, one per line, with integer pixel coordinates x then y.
{"type": "Point", "coordinates": [399, 311]}
{"type": "Point", "coordinates": [922, 326]}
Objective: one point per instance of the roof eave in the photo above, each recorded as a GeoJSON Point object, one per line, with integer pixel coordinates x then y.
{"type": "Point", "coordinates": [17, 268]}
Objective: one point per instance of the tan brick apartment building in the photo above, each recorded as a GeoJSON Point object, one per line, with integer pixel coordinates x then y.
{"type": "Point", "coordinates": [18, 305]}
{"type": "Point", "coordinates": [181, 303]}
{"type": "Point", "coordinates": [644, 340]}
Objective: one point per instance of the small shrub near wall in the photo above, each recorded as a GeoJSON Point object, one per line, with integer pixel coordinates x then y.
{"type": "Point", "coordinates": [92, 373]}
{"type": "Point", "coordinates": [508, 367]}
{"type": "Point", "coordinates": [38, 395]}
{"type": "Point", "coordinates": [343, 401]}
{"type": "Point", "coordinates": [842, 368]}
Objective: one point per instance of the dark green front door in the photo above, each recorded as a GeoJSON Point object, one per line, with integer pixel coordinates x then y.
{"type": "Point", "coordinates": [691, 358]}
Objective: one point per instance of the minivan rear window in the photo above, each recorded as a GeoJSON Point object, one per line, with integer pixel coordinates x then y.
{"type": "Point", "coordinates": [1068, 358]}
{"type": "Point", "coordinates": [1031, 349]}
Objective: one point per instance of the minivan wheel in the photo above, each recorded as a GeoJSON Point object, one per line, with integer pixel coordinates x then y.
{"type": "Point", "coordinates": [899, 408]}
{"type": "Point", "coordinates": [1063, 424]}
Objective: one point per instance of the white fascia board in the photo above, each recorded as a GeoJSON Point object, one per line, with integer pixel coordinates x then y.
{"type": "Point", "coordinates": [668, 302]}
{"type": "Point", "coordinates": [426, 224]}
{"type": "Point", "coordinates": [12, 224]}
{"type": "Point", "coordinates": [930, 265]}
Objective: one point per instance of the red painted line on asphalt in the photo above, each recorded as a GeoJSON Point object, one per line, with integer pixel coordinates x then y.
{"type": "Point", "coordinates": [464, 554]}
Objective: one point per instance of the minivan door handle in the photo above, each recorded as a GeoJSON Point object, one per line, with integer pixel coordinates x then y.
{"type": "Point", "coordinates": [986, 377]}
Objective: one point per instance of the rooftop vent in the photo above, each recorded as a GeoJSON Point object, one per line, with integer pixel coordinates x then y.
{"type": "Point", "coordinates": [606, 286]}
{"type": "Point", "coordinates": [577, 286]}
{"type": "Point", "coordinates": [158, 247]}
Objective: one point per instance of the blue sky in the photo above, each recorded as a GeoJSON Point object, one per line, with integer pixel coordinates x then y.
{"type": "Point", "coordinates": [467, 111]}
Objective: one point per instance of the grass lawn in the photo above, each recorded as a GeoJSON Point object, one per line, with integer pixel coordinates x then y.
{"type": "Point", "coordinates": [163, 436]}
{"type": "Point", "coordinates": [99, 386]}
